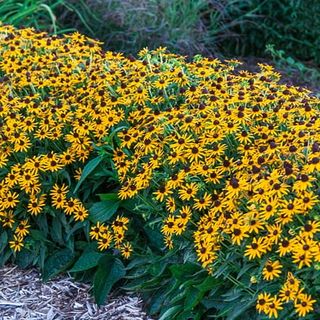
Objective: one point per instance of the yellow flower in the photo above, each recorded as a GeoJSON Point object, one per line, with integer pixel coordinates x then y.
{"type": "Point", "coordinates": [256, 248]}
{"type": "Point", "coordinates": [16, 244]}
{"type": "Point", "coordinates": [126, 250]}
{"type": "Point", "coordinates": [303, 304]}
{"type": "Point", "coordinates": [22, 229]}
{"type": "Point", "coordinates": [273, 307]}
{"type": "Point", "coordinates": [104, 241]}
{"type": "Point", "coordinates": [271, 270]}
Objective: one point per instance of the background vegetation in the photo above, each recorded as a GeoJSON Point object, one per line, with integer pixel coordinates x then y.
{"type": "Point", "coordinates": [223, 28]}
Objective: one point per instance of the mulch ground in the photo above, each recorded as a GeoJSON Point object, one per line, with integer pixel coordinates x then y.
{"type": "Point", "coordinates": [24, 296]}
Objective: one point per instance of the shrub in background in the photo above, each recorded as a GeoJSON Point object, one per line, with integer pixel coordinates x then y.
{"type": "Point", "coordinates": [210, 27]}
{"type": "Point", "coordinates": [214, 27]}
{"type": "Point", "coordinates": [210, 172]}
{"type": "Point", "coordinates": [286, 24]}
{"type": "Point", "coordinates": [47, 15]}
{"type": "Point", "coordinates": [186, 27]}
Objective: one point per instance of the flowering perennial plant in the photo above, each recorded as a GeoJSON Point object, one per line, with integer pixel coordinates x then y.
{"type": "Point", "coordinates": [225, 160]}
{"type": "Point", "coordinates": [234, 157]}
{"type": "Point", "coordinates": [54, 108]}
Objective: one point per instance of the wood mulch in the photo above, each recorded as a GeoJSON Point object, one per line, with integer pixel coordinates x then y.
{"type": "Point", "coordinates": [24, 296]}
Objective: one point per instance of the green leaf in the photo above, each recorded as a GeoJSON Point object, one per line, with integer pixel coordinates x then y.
{"type": "Point", "coordinates": [110, 270]}
{"type": "Point", "coordinates": [208, 284]}
{"type": "Point", "coordinates": [103, 210]}
{"type": "Point", "coordinates": [108, 196]}
{"type": "Point", "coordinates": [87, 261]}
{"type": "Point", "coordinates": [56, 230]}
{"type": "Point", "coordinates": [78, 225]}
{"type": "Point", "coordinates": [89, 167]}
{"type": "Point", "coordinates": [24, 258]}
{"type": "Point", "coordinates": [193, 298]}
{"type": "Point", "coordinates": [181, 271]}
{"type": "Point", "coordinates": [57, 263]}
{"type": "Point", "coordinates": [3, 240]}
{"type": "Point", "coordinates": [38, 235]}
{"type": "Point", "coordinates": [5, 257]}
{"type": "Point", "coordinates": [196, 293]}
{"type": "Point", "coordinates": [240, 308]}
{"type": "Point", "coordinates": [156, 302]}
{"type": "Point", "coordinates": [170, 313]}
{"type": "Point", "coordinates": [155, 238]}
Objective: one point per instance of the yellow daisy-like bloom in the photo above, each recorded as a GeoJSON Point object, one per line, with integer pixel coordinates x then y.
{"type": "Point", "coordinates": [264, 299]}
{"type": "Point", "coordinates": [105, 241]}
{"type": "Point", "coordinates": [272, 270]}
{"type": "Point", "coordinates": [97, 231]}
{"type": "Point", "coordinates": [80, 213]}
{"type": "Point", "coordinates": [22, 229]}
{"type": "Point", "coordinates": [303, 304]}
{"type": "Point", "coordinates": [188, 191]}
{"type": "Point", "coordinates": [126, 250]}
{"type": "Point", "coordinates": [17, 243]}
{"type": "Point", "coordinates": [36, 204]}
{"type": "Point", "coordinates": [256, 248]}
{"type": "Point", "coordinates": [71, 206]}
{"type": "Point", "coordinates": [273, 307]}
{"type": "Point", "coordinates": [7, 218]}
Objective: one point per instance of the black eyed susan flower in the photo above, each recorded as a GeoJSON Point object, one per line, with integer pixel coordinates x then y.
{"type": "Point", "coordinates": [203, 203]}
{"type": "Point", "coordinates": [288, 293]}
{"type": "Point", "coordinates": [126, 250]}
{"type": "Point", "coordinates": [264, 299]}
{"type": "Point", "coordinates": [80, 213]}
{"type": "Point", "coordinates": [271, 270]}
{"type": "Point", "coordinates": [238, 234]}
{"type": "Point", "coordinates": [273, 307]}
{"type": "Point", "coordinates": [104, 241]}
{"type": "Point", "coordinates": [256, 248]}
{"type": "Point", "coordinates": [188, 191]}
{"type": "Point", "coordinates": [97, 230]}
{"type": "Point", "coordinates": [22, 229]}
{"type": "Point", "coordinates": [7, 219]}
{"type": "Point", "coordinates": [36, 204]}
{"type": "Point", "coordinates": [303, 304]}
{"type": "Point", "coordinates": [285, 247]}
{"type": "Point", "coordinates": [71, 206]}
{"type": "Point", "coordinates": [17, 243]}
{"type": "Point", "coordinates": [9, 201]}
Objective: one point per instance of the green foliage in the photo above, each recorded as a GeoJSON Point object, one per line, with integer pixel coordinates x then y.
{"type": "Point", "coordinates": [57, 263]}
{"type": "Point", "coordinates": [110, 270]}
{"type": "Point", "coordinates": [286, 24]}
{"type": "Point", "coordinates": [46, 15]}
{"type": "Point", "coordinates": [187, 27]}
{"type": "Point", "coordinates": [177, 288]}
{"type": "Point", "coordinates": [296, 70]}
{"type": "Point", "coordinates": [229, 27]}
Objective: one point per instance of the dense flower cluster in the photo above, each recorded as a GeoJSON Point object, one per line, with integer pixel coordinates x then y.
{"type": "Point", "coordinates": [234, 152]}
{"type": "Point", "coordinates": [231, 156]}
{"type": "Point", "coordinates": [54, 107]}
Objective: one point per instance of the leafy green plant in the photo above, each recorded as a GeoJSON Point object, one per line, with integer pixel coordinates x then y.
{"type": "Point", "coordinates": [293, 68]}
{"type": "Point", "coordinates": [191, 181]}
{"type": "Point", "coordinates": [187, 27]}
{"type": "Point", "coordinates": [45, 15]}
